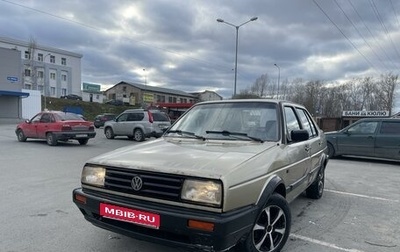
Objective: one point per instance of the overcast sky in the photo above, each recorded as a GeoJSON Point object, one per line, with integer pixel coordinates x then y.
{"type": "Point", "coordinates": [181, 46]}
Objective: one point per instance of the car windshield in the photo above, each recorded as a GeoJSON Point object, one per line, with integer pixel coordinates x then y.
{"type": "Point", "coordinates": [253, 121]}
{"type": "Point", "coordinates": [68, 116]}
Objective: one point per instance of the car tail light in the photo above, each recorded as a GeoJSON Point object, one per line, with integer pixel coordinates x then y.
{"type": "Point", "coordinates": [150, 117]}
{"type": "Point", "coordinates": [66, 127]}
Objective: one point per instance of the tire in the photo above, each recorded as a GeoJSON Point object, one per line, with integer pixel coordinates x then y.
{"type": "Point", "coordinates": [109, 133]}
{"type": "Point", "coordinates": [272, 224]}
{"type": "Point", "coordinates": [138, 135]}
{"type": "Point", "coordinates": [83, 141]}
{"type": "Point", "coordinates": [51, 139]}
{"type": "Point", "coordinates": [316, 189]}
{"type": "Point", "coordinates": [21, 136]}
{"type": "Point", "coordinates": [331, 150]}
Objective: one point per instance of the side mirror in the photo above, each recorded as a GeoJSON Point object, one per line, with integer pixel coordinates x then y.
{"type": "Point", "coordinates": [299, 135]}
{"type": "Point", "coordinates": [27, 121]}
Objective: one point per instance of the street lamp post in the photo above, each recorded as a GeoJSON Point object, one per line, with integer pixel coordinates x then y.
{"type": "Point", "coordinates": [279, 77]}
{"type": "Point", "coordinates": [237, 42]}
{"type": "Point", "coordinates": [45, 79]}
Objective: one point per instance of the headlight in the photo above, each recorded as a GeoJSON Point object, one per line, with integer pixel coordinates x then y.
{"type": "Point", "coordinates": [208, 192]}
{"type": "Point", "coordinates": [93, 175]}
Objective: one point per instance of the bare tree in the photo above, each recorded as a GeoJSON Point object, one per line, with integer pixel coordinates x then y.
{"type": "Point", "coordinates": [386, 91]}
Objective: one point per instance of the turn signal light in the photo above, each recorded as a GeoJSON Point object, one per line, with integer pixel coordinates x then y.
{"type": "Point", "coordinates": [80, 198]}
{"type": "Point", "coordinates": [202, 225]}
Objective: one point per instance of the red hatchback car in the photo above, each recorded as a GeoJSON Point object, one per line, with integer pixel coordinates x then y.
{"type": "Point", "coordinates": [54, 126]}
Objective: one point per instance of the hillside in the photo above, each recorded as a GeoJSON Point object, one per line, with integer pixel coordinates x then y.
{"type": "Point", "coordinates": [89, 109]}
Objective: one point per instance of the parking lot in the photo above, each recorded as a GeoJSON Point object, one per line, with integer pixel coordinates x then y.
{"type": "Point", "coordinates": [359, 211]}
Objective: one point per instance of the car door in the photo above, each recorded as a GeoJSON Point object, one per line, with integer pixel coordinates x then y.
{"type": "Point", "coordinates": [314, 142]}
{"type": "Point", "coordinates": [30, 128]}
{"type": "Point", "coordinates": [387, 143]}
{"type": "Point", "coordinates": [44, 125]}
{"type": "Point", "coordinates": [299, 152]}
{"type": "Point", "coordinates": [120, 124]}
{"type": "Point", "coordinates": [358, 139]}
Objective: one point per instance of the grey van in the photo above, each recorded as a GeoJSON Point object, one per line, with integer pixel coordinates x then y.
{"type": "Point", "coordinates": [369, 137]}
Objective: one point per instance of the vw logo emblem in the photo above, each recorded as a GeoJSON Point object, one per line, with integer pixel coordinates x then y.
{"type": "Point", "coordinates": [137, 183]}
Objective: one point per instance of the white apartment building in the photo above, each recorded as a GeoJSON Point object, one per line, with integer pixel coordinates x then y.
{"type": "Point", "coordinates": [54, 72]}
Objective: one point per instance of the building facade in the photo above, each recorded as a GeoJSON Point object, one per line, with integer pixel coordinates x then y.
{"type": "Point", "coordinates": [208, 95]}
{"type": "Point", "coordinates": [54, 72]}
{"type": "Point", "coordinates": [145, 95]}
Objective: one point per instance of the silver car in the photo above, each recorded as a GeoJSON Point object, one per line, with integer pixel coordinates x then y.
{"type": "Point", "coordinates": [222, 175]}
{"type": "Point", "coordinates": [137, 124]}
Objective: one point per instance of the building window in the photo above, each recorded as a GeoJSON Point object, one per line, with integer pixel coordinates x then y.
{"type": "Point", "coordinates": [63, 61]}
{"type": "Point", "coordinates": [174, 99]}
{"type": "Point", "coordinates": [27, 72]}
{"type": "Point", "coordinates": [40, 87]}
{"type": "Point", "coordinates": [27, 55]}
{"type": "Point", "coordinates": [123, 89]}
{"type": "Point", "coordinates": [63, 91]}
{"type": "Point", "coordinates": [52, 59]}
{"type": "Point", "coordinates": [170, 99]}
{"type": "Point", "coordinates": [40, 74]}
{"type": "Point", "coordinates": [52, 76]}
{"type": "Point", "coordinates": [53, 90]}
{"type": "Point", "coordinates": [64, 77]}
{"type": "Point", "coordinates": [40, 57]}
{"type": "Point", "coordinates": [28, 86]}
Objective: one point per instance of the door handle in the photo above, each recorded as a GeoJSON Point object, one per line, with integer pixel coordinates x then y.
{"type": "Point", "coordinates": [307, 148]}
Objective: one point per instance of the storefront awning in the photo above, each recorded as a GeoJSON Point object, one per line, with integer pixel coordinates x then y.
{"type": "Point", "coordinates": [13, 93]}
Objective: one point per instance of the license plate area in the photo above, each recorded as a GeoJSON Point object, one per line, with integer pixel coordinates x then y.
{"type": "Point", "coordinates": [81, 135]}
{"type": "Point", "coordinates": [138, 217]}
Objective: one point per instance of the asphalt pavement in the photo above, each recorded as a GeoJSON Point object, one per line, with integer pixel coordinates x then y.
{"type": "Point", "coordinates": [359, 211]}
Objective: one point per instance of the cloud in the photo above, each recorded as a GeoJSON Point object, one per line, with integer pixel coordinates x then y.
{"type": "Point", "coordinates": [182, 46]}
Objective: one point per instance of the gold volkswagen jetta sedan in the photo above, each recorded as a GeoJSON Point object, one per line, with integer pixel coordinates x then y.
{"type": "Point", "coordinates": [221, 176]}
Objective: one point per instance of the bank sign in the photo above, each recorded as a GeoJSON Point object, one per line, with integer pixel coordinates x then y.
{"type": "Point", "coordinates": [364, 113]}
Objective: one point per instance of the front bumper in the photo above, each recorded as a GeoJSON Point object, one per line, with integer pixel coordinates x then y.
{"type": "Point", "coordinates": [229, 228]}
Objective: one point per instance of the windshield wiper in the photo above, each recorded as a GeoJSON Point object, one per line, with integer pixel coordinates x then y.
{"type": "Point", "coordinates": [228, 133]}
{"type": "Point", "coordinates": [188, 133]}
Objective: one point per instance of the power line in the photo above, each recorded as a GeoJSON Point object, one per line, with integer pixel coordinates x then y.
{"type": "Point", "coordinates": [344, 35]}
{"type": "Point", "coordinates": [372, 35]}
{"type": "Point", "coordinates": [359, 33]}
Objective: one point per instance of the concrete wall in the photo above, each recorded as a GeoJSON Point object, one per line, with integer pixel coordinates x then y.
{"type": "Point", "coordinates": [32, 104]}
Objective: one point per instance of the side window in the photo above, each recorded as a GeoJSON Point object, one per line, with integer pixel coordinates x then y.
{"type": "Point", "coordinates": [363, 128]}
{"type": "Point", "coordinates": [291, 122]}
{"type": "Point", "coordinates": [307, 122]}
{"type": "Point", "coordinates": [390, 128]}
{"type": "Point", "coordinates": [122, 118]}
{"type": "Point", "coordinates": [139, 116]}
{"type": "Point", "coordinates": [36, 118]}
{"type": "Point", "coordinates": [45, 118]}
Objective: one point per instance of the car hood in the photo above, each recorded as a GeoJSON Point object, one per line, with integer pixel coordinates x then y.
{"type": "Point", "coordinates": [210, 159]}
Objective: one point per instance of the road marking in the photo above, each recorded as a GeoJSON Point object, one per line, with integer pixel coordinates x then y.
{"type": "Point", "coordinates": [362, 196]}
{"type": "Point", "coordinates": [322, 243]}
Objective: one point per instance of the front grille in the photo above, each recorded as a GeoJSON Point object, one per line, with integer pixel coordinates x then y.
{"type": "Point", "coordinates": [161, 186]}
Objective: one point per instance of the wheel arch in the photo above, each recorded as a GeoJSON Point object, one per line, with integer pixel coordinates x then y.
{"type": "Point", "coordinates": [274, 185]}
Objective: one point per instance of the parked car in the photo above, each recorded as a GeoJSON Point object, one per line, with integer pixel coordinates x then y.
{"type": "Point", "coordinates": [115, 102]}
{"type": "Point", "coordinates": [56, 126]}
{"type": "Point", "coordinates": [369, 137]}
{"type": "Point", "coordinates": [137, 124]}
{"type": "Point", "coordinates": [99, 120]}
{"type": "Point", "coordinates": [72, 97]}
{"type": "Point", "coordinates": [221, 175]}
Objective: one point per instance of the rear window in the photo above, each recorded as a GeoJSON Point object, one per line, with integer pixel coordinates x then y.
{"type": "Point", "coordinates": [392, 128]}
{"type": "Point", "coordinates": [160, 117]}
{"type": "Point", "coordinates": [68, 116]}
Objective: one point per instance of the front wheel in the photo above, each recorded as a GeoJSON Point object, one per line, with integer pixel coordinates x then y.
{"type": "Point", "coordinates": [272, 227]}
{"type": "Point", "coordinates": [21, 136]}
{"type": "Point", "coordinates": [109, 133]}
